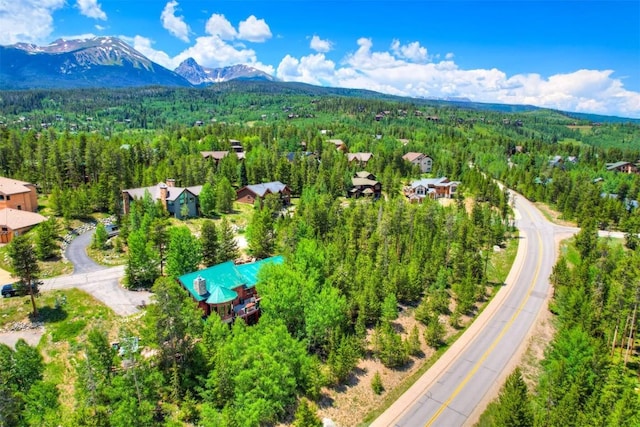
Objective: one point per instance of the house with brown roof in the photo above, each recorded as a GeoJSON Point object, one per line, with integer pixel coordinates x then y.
{"type": "Point", "coordinates": [364, 184]}
{"type": "Point", "coordinates": [339, 144]}
{"type": "Point", "coordinates": [360, 158]}
{"type": "Point", "coordinates": [15, 222]}
{"type": "Point", "coordinates": [624, 167]}
{"type": "Point", "coordinates": [424, 162]}
{"type": "Point", "coordinates": [172, 198]}
{"type": "Point", "coordinates": [433, 188]}
{"type": "Point", "coordinates": [216, 156]}
{"type": "Point", "coordinates": [18, 195]}
{"type": "Point", "coordinates": [251, 193]}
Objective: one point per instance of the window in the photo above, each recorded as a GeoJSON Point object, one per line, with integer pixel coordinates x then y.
{"type": "Point", "coordinates": [1, 196]}
{"type": "Point", "coordinates": [19, 207]}
{"type": "Point", "coordinates": [8, 197]}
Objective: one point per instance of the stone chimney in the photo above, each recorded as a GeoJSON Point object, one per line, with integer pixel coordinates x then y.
{"type": "Point", "coordinates": [164, 191]}
{"type": "Point", "coordinates": [171, 182]}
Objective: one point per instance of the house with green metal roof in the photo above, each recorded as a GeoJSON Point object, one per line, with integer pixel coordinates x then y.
{"type": "Point", "coordinates": [228, 289]}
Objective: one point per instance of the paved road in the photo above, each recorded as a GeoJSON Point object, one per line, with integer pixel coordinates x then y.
{"type": "Point", "coordinates": [458, 386]}
{"type": "Point", "coordinates": [77, 253]}
{"type": "Point", "coordinates": [101, 282]}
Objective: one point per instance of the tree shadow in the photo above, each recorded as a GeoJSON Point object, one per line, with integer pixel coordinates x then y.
{"type": "Point", "coordinates": [352, 380]}
{"type": "Point", "coordinates": [50, 314]}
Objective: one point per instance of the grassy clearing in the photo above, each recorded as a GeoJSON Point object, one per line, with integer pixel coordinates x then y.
{"type": "Point", "coordinates": [500, 262]}
{"type": "Point", "coordinates": [66, 329]}
{"type": "Point", "coordinates": [553, 216]}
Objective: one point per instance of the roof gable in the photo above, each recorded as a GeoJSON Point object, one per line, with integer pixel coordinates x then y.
{"type": "Point", "coordinates": [16, 219]}
{"type": "Point", "coordinates": [13, 186]}
{"type": "Point", "coordinates": [262, 189]}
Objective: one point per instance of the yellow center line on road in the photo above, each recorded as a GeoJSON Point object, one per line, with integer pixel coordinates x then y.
{"type": "Point", "coordinates": [498, 338]}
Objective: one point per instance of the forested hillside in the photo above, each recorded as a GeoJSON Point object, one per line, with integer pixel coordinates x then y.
{"type": "Point", "coordinates": [351, 265]}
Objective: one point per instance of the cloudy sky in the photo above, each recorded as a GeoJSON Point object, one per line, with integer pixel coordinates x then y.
{"type": "Point", "coordinates": [570, 55]}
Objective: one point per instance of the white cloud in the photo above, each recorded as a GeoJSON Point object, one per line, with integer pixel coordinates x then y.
{"type": "Point", "coordinates": [254, 30]}
{"type": "Point", "coordinates": [100, 27]}
{"type": "Point", "coordinates": [144, 46]}
{"type": "Point", "coordinates": [174, 24]}
{"type": "Point", "coordinates": [403, 71]}
{"type": "Point", "coordinates": [320, 45]}
{"type": "Point", "coordinates": [449, 55]}
{"type": "Point", "coordinates": [208, 51]}
{"type": "Point", "coordinates": [218, 25]}
{"type": "Point", "coordinates": [91, 9]}
{"type": "Point", "coordinates": [412, 52]}
{"type": "Point", "coordinates": [27, 20]}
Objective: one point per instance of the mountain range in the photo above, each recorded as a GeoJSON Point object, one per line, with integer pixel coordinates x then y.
{"type": "Point", "coordinates": [106, 62]}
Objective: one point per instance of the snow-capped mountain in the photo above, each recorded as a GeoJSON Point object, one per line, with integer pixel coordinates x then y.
{"type": "Point", "coordinates": [93, 62]}
{"type": "Point", "coordinates": [199, 75]}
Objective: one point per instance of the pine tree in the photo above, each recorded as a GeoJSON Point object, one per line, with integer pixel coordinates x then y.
{"type": "Point", "coordinates": [46, 245]}
{"type": "Point", "coordinates": [209, 243]}
{"type": "Point", "coordinates": [25, 265]}
{"type": "Point", "coordinates": [306, 416]}
{"type": "Point", "coordinates": [228, 244]}
{"type": "Point", "coordinates": [514, 407]}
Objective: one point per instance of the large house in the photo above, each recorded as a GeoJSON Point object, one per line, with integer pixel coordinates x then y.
{"type": "Point", "coordinates": [14, 222]}
{"type": "Point", "coordinates": [18, 195]}
{"type": "Point", "coordinates": [172, 198]}
{"type": "Point", "coordinates": [216, 156]}
{"type": "Point", "coordinates": [251, 193]}
{"type": "Point", "coordinates": [624, 167]}
{"type": "Point", "coordinates": [365, 185]}
{"type": "Point", "coordinates": [424, 162]}
{"type": "Point", "coordinates": [433, 188]}
{"type": "Point", "coordinates": [228, 289]}
{"type": "Point", "coordinates": [360, 158]}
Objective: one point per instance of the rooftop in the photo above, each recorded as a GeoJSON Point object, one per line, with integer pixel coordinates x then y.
{"type": "Point", "coordinates": [222, 279]}
{"type": "Point", "coordinates": [16, 219]}
{"type": "Point", "coordinates": [13, 186]}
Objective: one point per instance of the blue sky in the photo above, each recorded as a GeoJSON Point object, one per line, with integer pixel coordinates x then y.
{"type": "Point", "coordinates": [571, 55]}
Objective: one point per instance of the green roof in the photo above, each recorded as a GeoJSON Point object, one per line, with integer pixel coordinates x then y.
{"type": "Point", "coordinates": [250, 271]}
{"type": "Point", "coordinates": [219, 295]}
{"type": "Point", "coordinates": [221, 279]}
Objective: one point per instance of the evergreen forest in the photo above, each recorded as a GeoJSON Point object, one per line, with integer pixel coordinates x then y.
{"type": "Point", "coordinates": [351, 266]}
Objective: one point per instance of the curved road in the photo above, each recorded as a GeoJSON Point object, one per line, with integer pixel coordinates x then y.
{"type": "Point", "coordinates": [103, 283]}
{"type": "Point", "coordinates": [456, 389]}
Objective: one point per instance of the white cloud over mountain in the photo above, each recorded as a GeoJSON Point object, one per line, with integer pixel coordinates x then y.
{"type": "Point", "coordinates": [27, 20]}
{"type": "Point", "coordinates": [174, 24]}
{"type": "Point", "coordinates": [91, 9]}
{"type": "Point", "coordinates": [400, 69]}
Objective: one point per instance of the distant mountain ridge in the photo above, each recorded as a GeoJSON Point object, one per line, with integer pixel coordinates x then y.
{"type": "Point", "coordinates": [109, 62]}
{"type": "Point", "coordinates": [199, 75]}
{"type": "Point", "coordinates": [106, 62]}
{"type": "Point", "coordinates": [77, 63]}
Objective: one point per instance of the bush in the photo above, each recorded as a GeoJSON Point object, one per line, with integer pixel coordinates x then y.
{"type": "Point", "coordinates": [376, 384]}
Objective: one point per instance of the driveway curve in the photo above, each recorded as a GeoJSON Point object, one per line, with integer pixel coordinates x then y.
{"type": "Point", "coordinates": [76, 253]}
{"type": "Point", "coordinates": [103, 283]}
